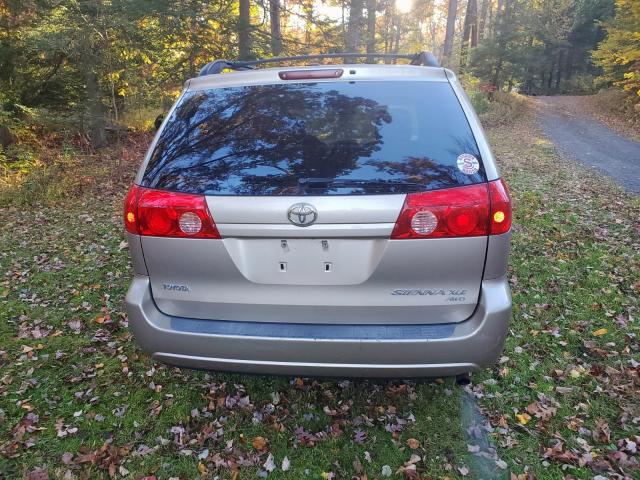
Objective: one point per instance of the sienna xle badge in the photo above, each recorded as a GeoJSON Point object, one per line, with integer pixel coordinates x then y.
{"type": "Point", "coordinates": [326, 219]}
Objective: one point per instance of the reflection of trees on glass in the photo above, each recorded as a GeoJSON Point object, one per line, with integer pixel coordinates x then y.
{"type": "Point", "coordinates": [421, 170]}
{"type": "Point", "coordinates": [261, 140]}
{"type": "Point", "coordinates": [314, 139]}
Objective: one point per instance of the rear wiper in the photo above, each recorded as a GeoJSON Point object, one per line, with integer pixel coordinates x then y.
{"type": "Point", "coordinates": [350, 182]}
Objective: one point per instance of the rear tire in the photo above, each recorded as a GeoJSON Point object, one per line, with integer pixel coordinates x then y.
{"type": "Point", "coordinates": [463, 379]}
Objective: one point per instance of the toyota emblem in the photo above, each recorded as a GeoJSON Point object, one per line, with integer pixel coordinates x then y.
{"type": "Point", "coordinates": [302, 214]}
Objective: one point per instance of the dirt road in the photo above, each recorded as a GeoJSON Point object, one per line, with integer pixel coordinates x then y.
{"type": "Point", "coordinates": [590, 142]}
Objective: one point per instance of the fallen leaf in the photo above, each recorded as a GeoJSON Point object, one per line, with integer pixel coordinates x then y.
{"type": "Point", "coordinates": [38, 474]}
{"type": "Point", "coordinates": [602, 432]}
{"type": "Point", "coordinates": [270, 464]}
{"type": "Point", "coordinates": [259, 443]}
{"type": "Point", "coordinates": [413, 444]}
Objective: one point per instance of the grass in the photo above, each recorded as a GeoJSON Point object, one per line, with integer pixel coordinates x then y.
{"type": "Point", "coordinates": [68, 360]}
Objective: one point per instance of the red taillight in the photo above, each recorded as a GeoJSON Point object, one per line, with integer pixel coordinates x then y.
{"type": "Point", "coordinates": [470, 211]}
{"type": "Point", "coordinates": [454, 212]}
{"type": "Point", "coordinates": [131, 210]}
{"type": "Point", "coordinates": [500, 220]}
{"type": "Point", "coordinates": [168, 214]}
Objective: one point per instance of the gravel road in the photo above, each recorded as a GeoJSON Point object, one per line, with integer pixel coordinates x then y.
{"type": "Point", "coordinates": [590, 142]}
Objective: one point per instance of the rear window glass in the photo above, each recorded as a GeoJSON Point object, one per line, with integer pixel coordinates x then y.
{"type": "Point", "coordinates": [331, 138]}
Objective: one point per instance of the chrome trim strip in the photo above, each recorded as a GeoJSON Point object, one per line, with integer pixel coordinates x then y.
{"type": "Point", "coordinates": [320, 230]}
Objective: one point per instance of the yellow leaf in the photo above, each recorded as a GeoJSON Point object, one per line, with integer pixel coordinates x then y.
{"type": "Point", "coordinates": [412, 443]}
{"type": "Point", "coordinates": [523, 418]}
{"type": "Point", "coordinates": [600, 332]}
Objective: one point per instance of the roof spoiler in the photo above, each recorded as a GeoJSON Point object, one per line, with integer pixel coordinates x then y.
{"type": "Point", "coordinates": [427, 59]}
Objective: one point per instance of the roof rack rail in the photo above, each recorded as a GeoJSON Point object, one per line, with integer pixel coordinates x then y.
{"type": "Point", "coordinates": [217, 66]}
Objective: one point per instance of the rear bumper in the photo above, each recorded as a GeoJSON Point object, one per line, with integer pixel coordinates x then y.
{"type": "Point", "coordinates": [332, 350]}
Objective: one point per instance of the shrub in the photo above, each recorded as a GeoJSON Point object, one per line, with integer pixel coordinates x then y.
{"type": "Point", "coordinates": [505, 108]}
{"type": "Point", "coordinates": [580, 83]}
{"type": "Point", "coordinates": [476, 93]}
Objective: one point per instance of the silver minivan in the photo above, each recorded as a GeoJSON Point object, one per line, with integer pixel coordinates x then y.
{"type": "Point", "coordinates": [321, 220]}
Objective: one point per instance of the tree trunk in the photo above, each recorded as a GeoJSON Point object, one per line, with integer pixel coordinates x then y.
{"type": "Point", "coordinates": [371, 26]}
{"type": "Point", "coordinates": [448, 38]}
{"type": "Point", "coordinates": [276, 32]}
{"type": "Point", "coordinates": [354, 27]}
{"type": "Point", "coordinates": [473, 22]}
{"type": "Point", "coordinates": [559, 72]}
{"type": "Point", "coordinates": [398, 34]}
{"type": "Point", "coordinates": [492, 20]}
{"type": "Point", "coordinates": [244, 25]}
{"type": "Point", "coordinates": [483, 19]}
{"type": "Point", "coordinates": [469, 33]}
{"type": "Point", "coordinates": [95, 109]}
{"type": "Point", "coordinates": [193, 38]}
{"type": "Point", "coordinates": [307, 8]}
{"type": "Point", "coordinates": [568, 70]}
{"type": "Point", "coordinates": [387, 28]}
{"type": "Point", "coordinates": [502, 18]}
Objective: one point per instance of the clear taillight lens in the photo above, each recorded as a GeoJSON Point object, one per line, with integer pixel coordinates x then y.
{"type": "Point", "coordinates": [469, 211]}
{"type": "Point", "coordinates": [190, 223]}
{"type": "Point", "coordinates": [168, 214]}
{"type": "Point", "coordinates": [424, 222]}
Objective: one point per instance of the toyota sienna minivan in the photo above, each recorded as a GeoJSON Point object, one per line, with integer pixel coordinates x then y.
{"type": "Point", "coordinates": [343, 220]}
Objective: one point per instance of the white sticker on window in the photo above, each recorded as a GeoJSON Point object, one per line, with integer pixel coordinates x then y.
{"type": "Point", "coordinates": [468, 164]}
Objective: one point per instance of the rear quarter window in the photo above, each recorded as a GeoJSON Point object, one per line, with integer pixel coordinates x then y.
{"type": "Point", "coordinates": [334, 138]}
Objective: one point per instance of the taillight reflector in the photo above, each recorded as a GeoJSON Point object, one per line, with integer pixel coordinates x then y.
{"type": "Point", "coordinates": [168, 214]}
{"type": "Point", "coordinates": [470, 211]}
{"type": "Point", "coordinates": [500, 207]}
{"type": "Point", "coordinates": [131, 210]}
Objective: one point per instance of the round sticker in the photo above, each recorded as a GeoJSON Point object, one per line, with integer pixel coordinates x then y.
{"type": "Point", "coordinates": [468, 164]}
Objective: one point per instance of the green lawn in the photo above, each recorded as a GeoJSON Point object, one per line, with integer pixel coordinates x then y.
{"type": "Point", "coordinates": [80, 400]}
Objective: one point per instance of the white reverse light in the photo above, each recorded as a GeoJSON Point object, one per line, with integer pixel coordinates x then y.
{"type": "Point", "coordinates": [424, 222]}
{"type": "Point", "coordinates": [190, 223]}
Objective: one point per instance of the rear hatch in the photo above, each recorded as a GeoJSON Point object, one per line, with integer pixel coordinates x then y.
{"type": "Point", "coordinates": [307, 184]}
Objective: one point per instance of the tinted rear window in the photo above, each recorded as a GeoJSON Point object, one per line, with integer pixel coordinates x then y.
{"type": "Point", "coordinates": [315, 139]}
